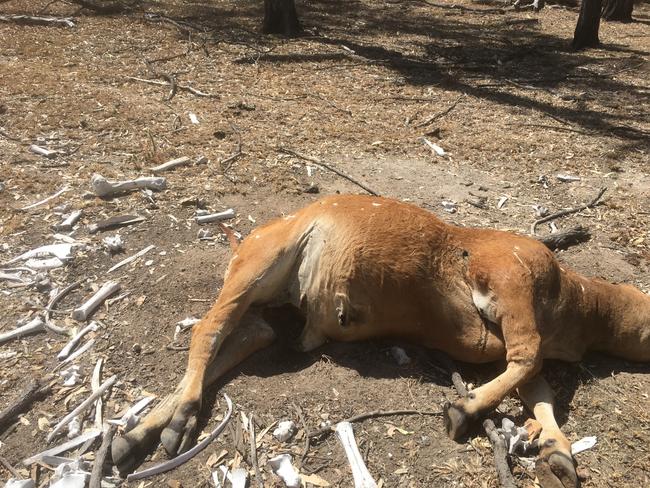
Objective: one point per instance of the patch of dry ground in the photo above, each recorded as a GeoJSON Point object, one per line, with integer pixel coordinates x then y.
{"type": "Point", "coordinates": [356, 91]}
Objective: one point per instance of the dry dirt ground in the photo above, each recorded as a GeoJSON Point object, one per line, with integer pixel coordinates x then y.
{"type": "Point", "coordinates": [357, 91]}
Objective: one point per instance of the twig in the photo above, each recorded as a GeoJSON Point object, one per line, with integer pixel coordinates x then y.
{"type": "Point", "coordinates": [305, 449]}
{"type": "Point", "coordinates": [100, 458]}
{"type": "Point", "coordinates": [567, 211]}
{"type": "Point", "coordinates": [186, 88]}
{"type": "Point", "coordinates": [9, 468]}
{"type": "Point", "coordinates": [227, 163]}
{"type": "Point", "coordinates": [439, 114]}
{"type": "Point", "coordinates": [327, 166]}
{"type": "Point", "coordinates": [500, 455]}
{"type": "Point", "coordinates": [364, 416]}
{"type": "Point", "coordinates": [33, 392]}
{"type": "Point", "coordinates": [564, 240]}
{"type": "Point", "coordinates": [253, 442]}
{"type": "Point", "coordinates": [450, 365]}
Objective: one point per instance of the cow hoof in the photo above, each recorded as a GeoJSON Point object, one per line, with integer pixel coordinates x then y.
{"type": "Point", "coordinates": [457, 421]}
{"type": "Point", "coordinates": [556, 470]}
{"type": "Point", "coordinates": [178, 436]}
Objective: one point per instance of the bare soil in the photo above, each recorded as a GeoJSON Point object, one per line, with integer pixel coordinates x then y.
{"type": "Point", "coordinates": [355, 91]}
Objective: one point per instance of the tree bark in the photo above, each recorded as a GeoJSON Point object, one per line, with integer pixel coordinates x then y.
{"type": "Point", "coordinates": [619, 10]}
{"type": "Point", "coordinates": [280, 17]}
{"type": "Point", "coordinates": [586, 33]}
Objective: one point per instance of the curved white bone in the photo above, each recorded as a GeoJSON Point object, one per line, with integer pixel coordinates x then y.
{"type": "Point", "coordinates": [361, 475]}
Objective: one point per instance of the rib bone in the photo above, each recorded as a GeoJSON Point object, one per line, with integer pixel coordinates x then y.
{"type": "Point", "coordinates": [361, 475]}
{"type": "Point", "coordinates": [104, 188]}
{"type": "Point", "coordinates": [102, 294]}
{"type": "Point", "coordinates": [69, 347]}
{"type": "Point", "coordinates": [36, 325]}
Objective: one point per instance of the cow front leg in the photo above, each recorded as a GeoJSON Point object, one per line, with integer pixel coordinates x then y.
{"type": "Point", "coordinates": [252, 335]}
{"type": "Point", "coordinates": [555, 467]}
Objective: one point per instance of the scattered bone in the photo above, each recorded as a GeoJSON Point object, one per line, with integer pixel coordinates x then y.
{"type": "Point", "coordinates": [205, 234]}
{"type": "Point", "coordinates": [76, 354]}
{"type": "Point", "coordinates": [70, 346]}
{"type": "Point", "coordinates": [95, 383]}
{"type": "Point", "coordinates": [170, 164]}
{"type": "Point", "coordinates": [53, 301]}
{"type": "Point", "coordinates": [238, 478]}
{"type": "Point", "coordinates": [100, 459]}
{"type": "Point", "coordinates": [41, 202]}
{"type": "Point", "coordinates": [74, 427]}
{"type": "Point", "coordinates": [184, 325]}
{"type": "Point", "coordinates": [44, 264]}
{"type": "Point", "coordinates": [113, 244]}
{"type": "Point", "coordinates": [567, 178]}
{"type": "Point", "coordinates": [71, 375]}
{"type": "Point", "coordinates": [91, 434]}
{"type": "Point", "coordinates": [583, 444]}
{"type": "Point", "coordinates": [114, 222]}
{"type": "Point", "coordinates": [217, 217]}
{"type": "Point", "coordinates": [187, 455]}
{"type": "Point", "coordinates": [69, 222]}
{"type": "Point", "coordinates": [36, 325]}
{"type": "Point", "coordinates": [285, 430]}
{"type": "Point", "coordinates": [193, 118]}
{"type": "Point", "coordinates": [69, 475]}
{"type": "Point", "coordinates": [131, 258]}
{"type": "Point", "coordinates": [517, 440]}
{"type": "Point", "coordinates": [435, 148]}
{"type": "Point", "coordinates": [281, 466]}
{"type": "Point", "coordinates": [449, 206]}
{"type": "Point", "coordinates": [502, 201]}
{"type": "Point", "coordinates": [400, 356]}
{"type": "Point", "coordinates": [500, 451]}
{"type": "Point", "coordinates": [130, 419]}
{"type": "Point", "coordinates": [41, 151]}
{"type": "Point", "coordinates": [32, 20]}
{"type": "Point", "coordinates": [105, 188]}
{"type": "Point", "coordinates": [14, 483]}
{"type": "Point", "coordinates": [96, 300]}
{"type": "Point", "coordinates": [553, 227]}
{"type": "Point", "coordinates": [360, 473]}
{"type": "Point", "coordinates": [62, 252]}
{"type": "Point", "coordinates": [82, 406]}
{"type": "Point", "coordinates": [540, 210]}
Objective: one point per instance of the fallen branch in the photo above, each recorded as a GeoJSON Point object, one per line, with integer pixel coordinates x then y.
{"type": "Point", "coordinates": [186, 88]}
{"type": "Point", "coordinates": [31, 20]}
{"type": "Point", "coordinates": [253, 443]}
{"type": "Point", "coordinates": [450, 365]}
{"type": "Point", "coordinates": [568, 211]}
{"type": "Point", "coordinates": [564, 240]}
{"type": "Point", "coordinates": [325, 431]}
{"type": "Point", "coordinates": [187, 455]}
{"type": "Point", "coordinates": [9, 468]}
{"type": "Point", "coordinates": [500, 455]}
{"type": "Point", "coordinates": [100, 458]}
{"type": "Point", "coordinates": [327, 166]}
{"type": "Point", "coordinates": [439, 114]}
{"type": "Point", "coordinates": [34, 391]}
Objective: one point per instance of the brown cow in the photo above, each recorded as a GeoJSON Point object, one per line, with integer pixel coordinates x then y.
{"type": "Point", "coordinates": [361, 267]}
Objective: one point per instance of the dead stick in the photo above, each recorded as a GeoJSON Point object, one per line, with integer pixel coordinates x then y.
{"type": "Point", "coordinates": [327, 166]}
{"type": "Point", "coordinates": [253, 442]}
{"type": "Point", "coordinates": [100, 458]}
{"type": "Point", "coordinates": [450, 365]}
{"type": "Point", "coordinates": [564, 240]}
{"type": "Point", "coordinates": [439, 114]}
{"type": "Point", "coordinates": [567, 211]}
{"type": "Point", "coordinates": [32, 393]}
{"type": "Point", "coordinates": [305, 449]}
{"type": "Point", "coordinates": [9, 468]}
{"type": "Point", "coordinates": [500, 455]}
{"type": "Point", "coordinates": [364, 416]}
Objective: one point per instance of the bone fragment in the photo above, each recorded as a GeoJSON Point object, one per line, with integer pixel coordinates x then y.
{"type": "Point", "coordinates": [74, 427]}
{"type": "Point", "coordinates": [131, 258]}
{"type": "Point", "coordinates": [91, 434]}
{"type": "Point", "coordinates": [69, 222]}
{"type": "Point", "coordinates": [41, 151]}
{"type": "Point", "coordinates": [45, 200]}
{"type": "Point", "coordinates": [53, 301]}
{"type": "Point", "coordinates": [113, 222]}
{"type": "Point", "coordinates": [96, 300]}
{"type": "Point", "coordinates": [435, 148]}
{"type": "Point", "coordinates": [95, 383]}
{"type": "Point", "coordinates": [130, 419]}
{"type": "Point", "coordinates": [285, 430]}
{"type": "Point", "coordinates": [281, 466]}
{"type": "Point", "coordinates": [361, 475]}
{"type": "Point", "coordinates": [70, 375]}
{"type": "Point", "coordinates": [70, 346]}
{"type": "Point", "coordinates": [69, 475]}
{"type": "Point", "coordinates": [238, 478]}
{"type": "Point", "coordinates": [170, 164]}
{"type": "Point", "coordinates": [76, 354]}
{"type": "Point", "coordinates": [113, 244]}
{"type": "Point", "coordinates": [105, 188]}
{"type": "Point", "coordinates": [567, 178]}
{"type": "Point", "coordinates": [14, 483]}
{"type": "Point", "coordinates": [217, 217]}
{"type": "Point", "coordinates": [36, 325]}
{"type": "Point", "coordinates": [82, 406]}
{"type": "Point", "coordinates": [187, 455]}
{"type": "Point", "coordinates": [60, 251]}
{"type": "Point", "coordinates": [583, 444]}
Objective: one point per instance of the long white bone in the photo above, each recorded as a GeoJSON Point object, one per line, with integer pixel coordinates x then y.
{"type": "Point", "coordinates": [170, 164]}
{"type": "Point", "coordinates": [69, 221]}
{"type": "Point", "coordinates": [82, 406]}
{"type": "Point", "coordinates": [69, 347]}
{"type": "Point", "coordinates": [96, 300]}
{"type": "Point", "coordinates": [105, 188]}
{"type": "Point", "coordinates": [36, 325]}
{"type": "Point", "coordinates": [360, 473]}
{"type": "Point", "coordinates": [91, 434]}
{"type": "Point", "coordinates": [217, 217]}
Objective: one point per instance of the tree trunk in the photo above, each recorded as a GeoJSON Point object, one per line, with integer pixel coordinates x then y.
{"type": "Point", "coordinates": [280, 17]}
{"type": "Point", "coordinates": [586, 34]}
{"type": "Point", "coordinates": [620, 10]}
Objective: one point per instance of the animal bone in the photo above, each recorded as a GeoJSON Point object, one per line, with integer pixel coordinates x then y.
{"type": "Point", "coordinates": [187, 455]}
{"type": "Point", "coordinates": [170, 164]}
{"type": "Point", "coordinates": [583, 444]}
{"type": "Point", "coordinates": [96, 300]}
{"type": "Point", "coordinates": [36, 325]}
{"type": "Point", "coordinates": [70, 375]}
{"type": "Point", "coordinates": [361, 475]}
{"type": "Point", "coordinates": [45, 200]}
{"type": "Point", "coordinates": [285, 430]}
{"type": "Point", "coordinates": [105, 188]}
{"type": "Point", "coordinates": [76, 354]}
{"type": "Point", "coordinates": [14, 483]}
{"type": "Point", "coordinates": [95, 383]}
{"type": "Point", "coordinates": [217, 217]}
{"type": "Point", "coordinates": [69, 347]}
{"type": "Point", "coordinates": [91, 434]}
{"type": "Point", "coordinates": [281, 465]}
{"type": "Point", "coordinates": [69, 222]}
{"type": "Point", "coordinates": [131, 258]}
{"type": "Point", "coordinates": [114, 243]}
{"type": "Point", "coordinates": [61, 251]}
{"type": "Point", "coordinates": [113, 222]}
{"type": "Point", "coordinates": [82, 406]}
{"type": "Point", "coordinates": [130, 419]}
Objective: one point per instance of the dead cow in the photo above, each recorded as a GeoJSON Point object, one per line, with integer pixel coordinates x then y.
{"type": "Point", "coordinates": [361, 267]}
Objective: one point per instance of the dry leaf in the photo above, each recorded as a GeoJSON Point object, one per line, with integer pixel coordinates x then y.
{"type": "Point", "coordinates": [314, 479]}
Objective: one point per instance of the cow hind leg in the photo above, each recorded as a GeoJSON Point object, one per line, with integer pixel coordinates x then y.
{"type": "Point", "coordinates": [252, 335]}
{"type": "Point", "coordinates": [555, 467]}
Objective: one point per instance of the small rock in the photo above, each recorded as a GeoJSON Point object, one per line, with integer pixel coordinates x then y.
{"type": "Point", "coordinates": [136, 348]}
{"type": "Point", "coordinates": [312, 188]}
